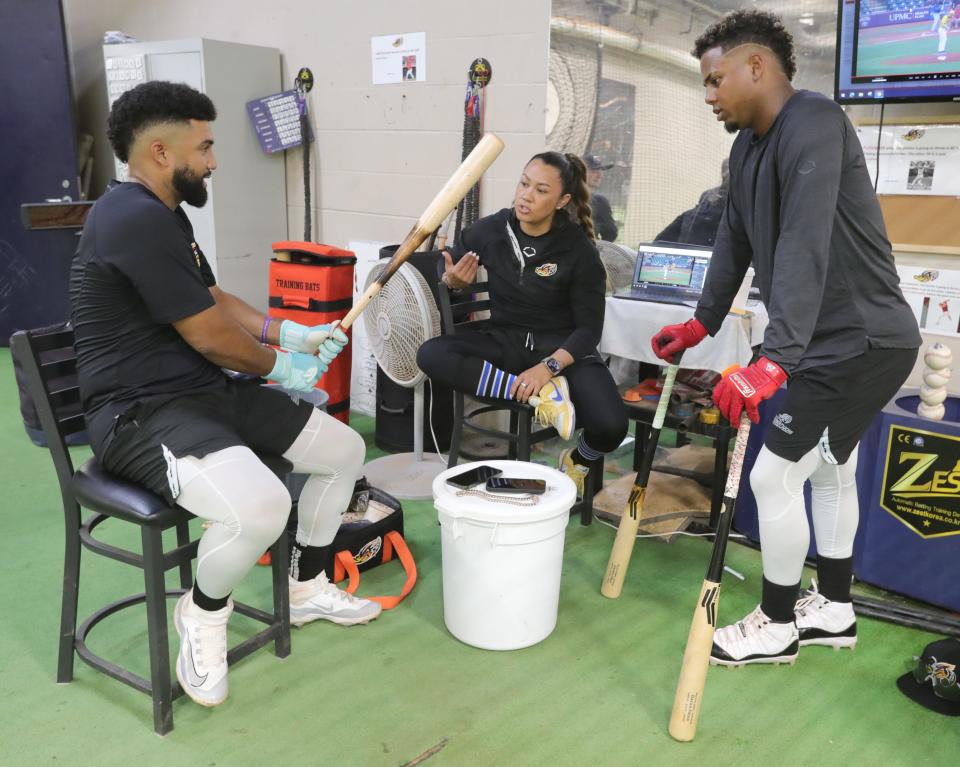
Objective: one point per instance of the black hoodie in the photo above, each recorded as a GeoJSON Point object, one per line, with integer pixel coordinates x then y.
{"type": "Point", "coordinates": [559, 293]}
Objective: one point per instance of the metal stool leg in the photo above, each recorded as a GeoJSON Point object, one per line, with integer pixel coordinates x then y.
{"type": "Point", "coordinates": [280, 563]}
{"type": "Point", "coordinates": [454, 453]}
{"type": "Point", "coordinates": [522, 430]}
{"type": "Point", "coordinates": [183, 538]}
{"type": "Point", "coordinates": [155, 590]}
{"type": "Point", "coordinates": [68, 605]}
{"type": "Point", "coordinates": [593, 486]}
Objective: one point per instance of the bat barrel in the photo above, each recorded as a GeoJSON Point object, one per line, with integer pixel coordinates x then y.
{"type": "Point", "coordinates": [623, 544]}
{"type": "Point", "coordinates": [466, 175]}
{"type": "Point", "coordinates": [696, 657]}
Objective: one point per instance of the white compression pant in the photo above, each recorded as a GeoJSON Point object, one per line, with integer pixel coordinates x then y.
{"type": "Point", "coordinates": [249, 506]}
{"type": "Point", "coordinates": [784, 533]}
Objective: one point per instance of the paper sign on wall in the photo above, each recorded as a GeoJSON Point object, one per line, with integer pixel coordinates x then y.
{"type": "Point", "coordinates": [399, 58]}
{"type": "Point", "coordinates": [934, 296]}
{"type": "Point", "coordinates": [920, 159]}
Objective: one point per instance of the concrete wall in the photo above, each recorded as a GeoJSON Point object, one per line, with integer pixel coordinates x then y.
{"type": "Point", "coordinates": [382, 151]}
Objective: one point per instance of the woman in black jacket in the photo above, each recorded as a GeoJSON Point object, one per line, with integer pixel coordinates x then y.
{"type": "Point", "coordinates": [547, 304]}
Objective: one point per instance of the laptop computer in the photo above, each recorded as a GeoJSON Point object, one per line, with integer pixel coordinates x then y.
{"type": "Point", "coordinates": [668, 274]}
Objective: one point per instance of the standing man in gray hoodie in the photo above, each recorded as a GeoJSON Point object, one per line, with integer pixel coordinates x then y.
{"type": "Point", "coordinates": [801, 209]}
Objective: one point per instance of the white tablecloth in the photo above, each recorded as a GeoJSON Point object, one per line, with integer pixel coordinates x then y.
{"type": "Point", "coordinates": [629, 326]}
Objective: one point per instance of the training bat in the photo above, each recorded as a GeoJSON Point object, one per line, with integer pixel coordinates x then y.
{"type": "Point", "coordinates": [630, 521]}
{"type": "Point", "coordinates": [456, 188]}
{"type": "Point", "coordinates": [696, 658]}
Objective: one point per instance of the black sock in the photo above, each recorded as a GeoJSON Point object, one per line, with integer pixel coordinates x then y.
{"type": "Point", "coordinates": [834, 577]}
{"type": "Point", "coordinates": [579, 459]}
{"type": "Point", "coordinates": [778, 601]}
{"type": "Point", "coordinates": [209, 604]}
{"type": "Point", "coordinates": [307, 562]}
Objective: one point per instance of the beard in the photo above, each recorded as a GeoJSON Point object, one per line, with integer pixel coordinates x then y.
{"type": "Point", "coordinates": [731, 127]}
{"type": "Point", "coordinates": [190, 187]}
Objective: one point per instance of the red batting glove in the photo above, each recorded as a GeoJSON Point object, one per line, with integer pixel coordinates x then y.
{"type": "Point", "coordinates": [748, 387]}
{"type": "Point", "coordinates": [676, 338]}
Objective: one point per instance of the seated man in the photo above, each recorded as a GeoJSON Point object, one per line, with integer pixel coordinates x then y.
{"type": "Point", "coordinates": [604, 225]}
{"type": "Point", "coordinates": [698, 226]}
{"type": "Point", "coordinates": [153, 331]}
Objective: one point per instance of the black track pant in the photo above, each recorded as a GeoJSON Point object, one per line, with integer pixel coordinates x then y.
{"type": "Point", "coordinates": [457, 361]}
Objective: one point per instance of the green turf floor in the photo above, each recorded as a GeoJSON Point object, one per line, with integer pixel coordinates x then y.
{"type": "Point", "coordinates": [597, 692]}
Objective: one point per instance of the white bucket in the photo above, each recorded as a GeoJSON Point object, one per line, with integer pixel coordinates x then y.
{"type": "Point", "coordinates": [501, 560]}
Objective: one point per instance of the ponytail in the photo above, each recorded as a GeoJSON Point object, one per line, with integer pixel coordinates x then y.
{"type": "Point", "coordinates": [573, 176]}
{"type": "Point", "coordinates": [580, 196]}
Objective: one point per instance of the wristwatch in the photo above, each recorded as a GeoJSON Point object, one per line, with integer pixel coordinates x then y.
{"type": "Point", "coordinates": [552, 365]}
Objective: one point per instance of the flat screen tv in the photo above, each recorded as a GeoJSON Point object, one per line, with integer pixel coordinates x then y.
{"type": "Point", "coordinates": [897, 51]}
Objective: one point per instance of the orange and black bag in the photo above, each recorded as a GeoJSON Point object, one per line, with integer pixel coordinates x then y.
{"type": "Point", "coordinates": [313, 284]}
{"type": "Point", "coordinates": [372, 537]}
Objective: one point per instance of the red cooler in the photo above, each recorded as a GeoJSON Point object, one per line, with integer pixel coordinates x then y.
{"type": "Point", "coordinates": [313, 284]}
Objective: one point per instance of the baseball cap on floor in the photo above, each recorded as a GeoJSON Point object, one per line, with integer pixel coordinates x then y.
{"type": "Point", "coordinates": [934, 678]}
{"type": "Point", "coordinates": [593, 162]}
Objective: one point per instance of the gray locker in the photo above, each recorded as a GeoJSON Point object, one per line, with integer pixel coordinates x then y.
{"type": "Point", "coordinates": [246, 209]}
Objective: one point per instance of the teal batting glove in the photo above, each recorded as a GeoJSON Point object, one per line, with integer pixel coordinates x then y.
{"type": "Point", "coordinates": [297, 371]}
{"type": "Point", "coordinates": [329, 350]}
{"type": "Point", "coordinates": [301, 338]}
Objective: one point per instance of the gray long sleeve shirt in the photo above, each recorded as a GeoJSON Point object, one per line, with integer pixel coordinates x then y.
{"type": "Point", "coordinates": [802, 209]}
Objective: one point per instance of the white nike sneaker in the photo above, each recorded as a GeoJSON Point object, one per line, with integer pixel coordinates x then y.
{"type": "Point", "coordinates": [823, 622]}
{"type": "Point", "coordinates": [554, 408]}
{"type": "Point", "coordinates": [755, 639]}
{"type": "Point", "coordinates": [202, 662]}
{"type": "Point", "coordinates": [318, 599]}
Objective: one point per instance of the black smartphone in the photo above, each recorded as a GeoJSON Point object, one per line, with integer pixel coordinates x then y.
{"type": "Point", "coordinates": [516, 485]}
{"type": "Point", "coordinates": [475, 476]}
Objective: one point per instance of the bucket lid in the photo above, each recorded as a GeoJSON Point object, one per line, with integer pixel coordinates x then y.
{"type": "Point", "coordinates": [559, 497]}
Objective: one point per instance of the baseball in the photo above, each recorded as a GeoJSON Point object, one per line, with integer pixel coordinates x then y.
{"type": "Point", "coordinates": [933, 412]}
{"type": "Point", "coordinates": [936, 378]}
{"type": "Point", "coordinates": [937, 356]}
{"type": "Point", "coordinates": [933, 395]}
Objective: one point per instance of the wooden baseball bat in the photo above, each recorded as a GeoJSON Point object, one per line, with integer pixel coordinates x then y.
{"type": "Point", "coordinates": [696, 657]}
{"type": "Point", "coordinates": [456, 188]}
{"type": "Point", "coordinates": [630, 521]}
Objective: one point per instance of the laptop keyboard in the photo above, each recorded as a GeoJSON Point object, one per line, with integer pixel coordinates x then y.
{"type": "Point", "coordinates": [669, 295]}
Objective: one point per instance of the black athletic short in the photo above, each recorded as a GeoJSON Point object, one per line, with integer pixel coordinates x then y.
{"type": "Point", "coordinates": [264, 419]}
{"type": "Point", "coordinates": [836, 403]}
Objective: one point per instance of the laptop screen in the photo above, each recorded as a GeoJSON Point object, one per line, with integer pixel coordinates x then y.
{"type": "Point", "coordinates": [675, 267]}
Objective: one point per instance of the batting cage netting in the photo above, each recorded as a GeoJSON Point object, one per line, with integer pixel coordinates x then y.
{"type": "Point", "coordinates": [623, 86]}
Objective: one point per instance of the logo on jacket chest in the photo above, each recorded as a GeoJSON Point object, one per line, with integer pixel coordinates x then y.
{"type": "Point", "coordinates": [546, 270]}
{"type": "Point", "coordinates": [196, 253]}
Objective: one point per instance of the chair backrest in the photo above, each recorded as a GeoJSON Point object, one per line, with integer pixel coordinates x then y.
{"type": "Point", "coordinates": [49, 361]}
{"type": "Point", "coordinates": [458, 308]}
